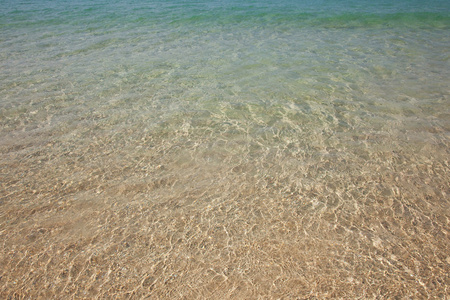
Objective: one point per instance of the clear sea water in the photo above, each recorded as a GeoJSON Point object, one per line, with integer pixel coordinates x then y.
{"type": "Point", "coordinates": [224, 149]}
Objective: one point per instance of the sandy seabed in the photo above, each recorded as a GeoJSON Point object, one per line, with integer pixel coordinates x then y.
{"type": "Point", "coordinates": [237, 161]}
{"type": "Point", "coordinates": [188, 213]}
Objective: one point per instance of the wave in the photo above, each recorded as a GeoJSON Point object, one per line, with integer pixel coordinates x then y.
{"type": "Point", "coordinates": [343, 20]}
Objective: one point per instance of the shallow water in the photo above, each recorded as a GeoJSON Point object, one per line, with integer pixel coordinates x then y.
{"type": "Point", "coordinates": [215, 149]}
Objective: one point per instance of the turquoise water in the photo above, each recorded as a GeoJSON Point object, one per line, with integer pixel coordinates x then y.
{"type": "Point", "coordinates": [224, 149]}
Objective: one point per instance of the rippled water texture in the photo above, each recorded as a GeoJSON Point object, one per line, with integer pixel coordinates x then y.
{"type": "Point", "coordinates": [216, 150]}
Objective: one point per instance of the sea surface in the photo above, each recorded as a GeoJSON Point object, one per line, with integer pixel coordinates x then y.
{"type": "Point", "coordinates": [224, 149]}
